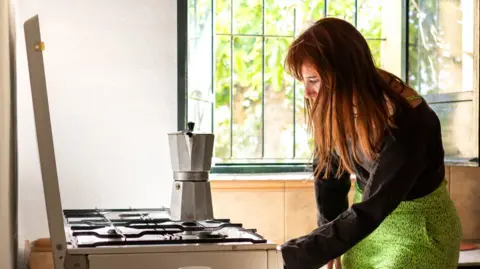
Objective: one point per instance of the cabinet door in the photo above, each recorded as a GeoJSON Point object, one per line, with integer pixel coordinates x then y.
{"type": "Point", "coordinates": [182, 260]}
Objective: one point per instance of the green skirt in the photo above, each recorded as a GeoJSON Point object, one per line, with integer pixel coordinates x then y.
{"type": "Point", "coordinates": [424, 233]}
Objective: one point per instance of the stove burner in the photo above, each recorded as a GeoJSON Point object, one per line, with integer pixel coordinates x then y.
{"type": "Point", "coordinates": [208, 235]}
{"type": "Point", "coordinates": [130, 215]}
{"type": "Point", "coordinates": [218, 221]}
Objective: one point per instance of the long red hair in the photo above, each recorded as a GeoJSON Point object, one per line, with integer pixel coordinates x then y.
{"type": "Point", "coordinates": [349, 78]}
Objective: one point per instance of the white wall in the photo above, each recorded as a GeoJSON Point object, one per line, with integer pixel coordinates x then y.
{"type": "Point", "coordinates": [6, 179]}
{"type": "Point", "coordinates": [111, 77]}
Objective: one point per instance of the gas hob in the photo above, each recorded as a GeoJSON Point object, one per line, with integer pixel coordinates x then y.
{"type": "Point", "coordinates": [132, 227]}
{"type": "Point", "coordinates": [149, 239]}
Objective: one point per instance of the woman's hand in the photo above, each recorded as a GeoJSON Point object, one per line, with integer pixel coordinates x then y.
{"type": "Point", "coordinates": [337, 263]}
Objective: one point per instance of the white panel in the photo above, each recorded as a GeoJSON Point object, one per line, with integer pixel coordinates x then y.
{"type": "Point", "coordinates": [111, 73]}
{"type": "Point", "coordinates": [211, 260]}
{"type": "Point", "coordinates": [6, 195]}
{"type": "Point", "coordinates": [275, 259]}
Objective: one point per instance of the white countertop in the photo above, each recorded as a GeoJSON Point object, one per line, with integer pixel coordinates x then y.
{"type": "Point", "coordinates": [470, 257]}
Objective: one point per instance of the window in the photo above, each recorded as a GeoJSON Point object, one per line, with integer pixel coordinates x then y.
{"type": "Point", "coordinates": [443, 67]}
{"type": "Point", "coordinates": [232, 82]}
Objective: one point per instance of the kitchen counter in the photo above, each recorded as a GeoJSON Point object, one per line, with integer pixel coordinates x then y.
{"type": "Point", "coordinates": [469, 258]}
{"type": "Point", "coordinates": [284, 206]}
{"type": "Point", "coordinates": [39, 256]}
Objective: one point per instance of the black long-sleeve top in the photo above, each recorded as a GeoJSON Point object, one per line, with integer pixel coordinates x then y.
{"type": "Point", "coordinates": [411, 165]}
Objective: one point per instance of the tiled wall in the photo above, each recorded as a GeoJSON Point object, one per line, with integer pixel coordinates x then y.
{"type": "Point", "coordinates": [465, 193]}
{"type": "Point", "coordinates": [285, 209]}
{"type": "Point", "coordinates": [278, 209]}
{"type": "Point", "coordinates": [255, 204]}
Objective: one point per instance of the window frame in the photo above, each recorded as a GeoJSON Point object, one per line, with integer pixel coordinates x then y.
{"type": "Point", "coordinates": [455, 96]}
{"type": "Point", "coordinates": [248, 168]}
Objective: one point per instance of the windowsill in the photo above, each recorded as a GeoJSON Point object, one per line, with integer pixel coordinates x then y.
{"type": "Point", "coordinates": [263, 176]}
{"type": "Point", "coordinates": [461, 163]}
{"type": "Point", "coordinates": [304, 175]}
{"type": "Point", "coordinates": [266, 176]}
{"type": "Point", "coordinates": [469, 258]}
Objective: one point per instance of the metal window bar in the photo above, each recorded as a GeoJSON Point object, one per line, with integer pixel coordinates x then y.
{"type": "Point", "coordinates": [212, 82]}
{"type": "Point", "coordinates": [294, 153]}
{"type": "Point", "coordinates": [419, 63]}
{"type": "Point", "coordinates": [263, 36]}
{"type": "Point", "coordinates": [182, 68]}
{"type": "Point", "coordinates": [405, 38]}
{"type": "Point", "coordinates": [435, 18]}
{"type": "Point", "coordinates": [325, 8]}
{"type": "Point", "coordinates": [263, 80]}
{"type": "Point", "coordinates": [355, 18]}
{"type": "Point", "coordinates": [231, 77]}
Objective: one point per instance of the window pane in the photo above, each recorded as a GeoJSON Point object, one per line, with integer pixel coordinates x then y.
{"type": "Point", "coordinates": [441, 60]}
{"type": "Point", "coordinates": [199, 111]}
{"type": "Point", "coordinates": [278, 111]}
{"type": "Point", "coordinates": [303, 140]}
{"type": "Point", "coordinates": [223, 18]}
{"type": "Point", "coordinates": [279, 18]}
{"type": "Point", "coordinates": [247, 98]}
{"type": "Point", "coordinates": [376, 49]}
{"type": "Point", "coordinates": [223, 107]}
{"type": "Point", "coordinates": [413, 66]}
{"type": "Point", "coordinates": [457, 129]}
{"type": "Point", "coordinates": [307, 12]}
{"type": "Point", "coordinates": [413, 49]}
{"type": "Point", "coordinates": [199, 16]}
{"type": "Point", "coordinates": [343, 9]}
{"type": "Point", "coordinates": [440, 67]}
{"type": "Point", "coordinates": [369, 18]}
{"type": "Point", "coordinates": [200, 98]}
{"type": "Point", "coordinates": [248, 17]}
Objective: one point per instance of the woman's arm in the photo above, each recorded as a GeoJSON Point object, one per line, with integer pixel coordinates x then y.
{"type": "Point", "coordinates": [401, 163]}
{"type": "Point", "coordinates": [331, 195]}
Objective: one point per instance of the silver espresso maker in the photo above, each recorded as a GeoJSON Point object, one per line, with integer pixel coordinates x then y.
{"type": "Point", "coordinates": [191, 157]}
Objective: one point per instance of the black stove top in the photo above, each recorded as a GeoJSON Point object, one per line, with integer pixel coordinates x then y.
{"type": "Point", "coordinates": [120, 227]}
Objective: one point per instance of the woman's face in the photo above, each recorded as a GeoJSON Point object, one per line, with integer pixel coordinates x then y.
{"type": "Point", "coordinates": [311, 80]}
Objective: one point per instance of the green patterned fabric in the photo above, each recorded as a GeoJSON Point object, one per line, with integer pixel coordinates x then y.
{"type": "Point", "coordinates": [424, 233]}
{"type": "Point", "coordinates": [414, 97]}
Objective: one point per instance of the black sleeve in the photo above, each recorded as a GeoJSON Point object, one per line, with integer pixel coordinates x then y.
{"type": "Point", "coordinates": [400, 164]}
{"type": "Point", "coordinates": [331, 195]}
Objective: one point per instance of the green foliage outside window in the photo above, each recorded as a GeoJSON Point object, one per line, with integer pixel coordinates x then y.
{"type": "Point", "coordinates": [267, 106]}
{"type": "Point", "coordinates": [257, 111]}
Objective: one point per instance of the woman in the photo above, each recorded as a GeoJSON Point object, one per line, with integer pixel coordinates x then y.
{"type": "Point", "coordinates": [367, 122]}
